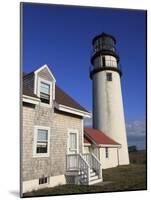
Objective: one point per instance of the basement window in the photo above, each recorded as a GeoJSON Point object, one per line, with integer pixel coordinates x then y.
{"type": "Point", "coordinates": [43, 180]}
{"type": "Point", "coordinates": [109, 76]}
{"type": "Point", "coordinates": [106, 152]}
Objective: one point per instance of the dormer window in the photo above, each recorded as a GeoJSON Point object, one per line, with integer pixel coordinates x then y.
{"type": "Point", "coordinates": [45, 92]}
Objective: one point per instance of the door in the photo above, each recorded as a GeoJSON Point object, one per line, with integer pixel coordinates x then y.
{"type": "Point", "coordinates": [73, 150]}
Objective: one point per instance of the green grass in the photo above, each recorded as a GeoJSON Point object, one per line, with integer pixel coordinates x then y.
{"type": "Point", "coordinates": [130, 177]}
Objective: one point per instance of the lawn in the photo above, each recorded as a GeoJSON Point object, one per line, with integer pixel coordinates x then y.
{"type": "Point", "coordinates": [131, 177]}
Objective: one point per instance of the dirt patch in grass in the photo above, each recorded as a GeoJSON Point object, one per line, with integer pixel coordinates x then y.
{"type": "Point", "coordinates": [123, 178]}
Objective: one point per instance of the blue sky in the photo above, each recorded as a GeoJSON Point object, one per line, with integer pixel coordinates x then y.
{"type": "Point", "coordinates": [61, 36]}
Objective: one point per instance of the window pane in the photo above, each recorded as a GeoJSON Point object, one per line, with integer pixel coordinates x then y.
{"type": "Point", "coordinates": [42, 135]}
{"type": "Point", "coordinates": [41, 148]}
{"type": "Point", "coordinates": [42, 141]}
{"type": "Point", "coordinates": [44, 88]}
{"type": "Point", "coordinates": [109, 76]}
{"type": "Point", "coordinates": [73, 141]}
{"type": "Point", "coordinates": [43, 180]}
{"type": "Point", "coordinates": [106, 152]}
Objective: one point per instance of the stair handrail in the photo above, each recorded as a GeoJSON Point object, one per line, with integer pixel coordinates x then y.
{"type": "Point", "coordinates": [99, 169]}
{"type": "Point", "coordinates": [87, 167]}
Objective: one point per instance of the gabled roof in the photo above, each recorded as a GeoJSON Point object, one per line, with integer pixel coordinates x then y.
{"type": "Point", "coordinates": [28, 92]}
{"type": "Point", "coordinates": [98, 137]}
{"type": "Point", "coordinates": [61, 97]}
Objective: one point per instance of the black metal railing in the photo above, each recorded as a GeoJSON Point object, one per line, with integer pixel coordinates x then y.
{"type": "Point", "coordinates": [104, 48]}
{"type": "Point", "coordinates": [107, 65]}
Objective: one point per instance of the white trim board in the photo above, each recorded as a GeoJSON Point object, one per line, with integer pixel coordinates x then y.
{"type": "Point", "coordinates": [72, 110]}
{"type": "Point", "coordinates": [29, 99]}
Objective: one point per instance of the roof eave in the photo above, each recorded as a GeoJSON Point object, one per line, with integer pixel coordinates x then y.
{"type": "Point", "coordinates": [30, 99]}
{"type": "Point", "coordinates": [110, 145]}
{"type": "Point", "coordinates": [72, 110]}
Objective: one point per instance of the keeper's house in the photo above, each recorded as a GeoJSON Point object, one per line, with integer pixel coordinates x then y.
{"type": "Point", "coordinates": [56, 149]}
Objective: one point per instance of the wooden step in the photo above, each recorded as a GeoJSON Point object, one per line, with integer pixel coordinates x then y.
{"type": "Point", "coordinates": [92, 173]}
{"type": "Point", "coordinates": [94, 178]}
{"type": "Point", "coordinates": [95, 181]}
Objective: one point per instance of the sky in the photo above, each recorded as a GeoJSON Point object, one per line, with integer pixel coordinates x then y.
{"type": "Point", "coordinates": [61, 37]}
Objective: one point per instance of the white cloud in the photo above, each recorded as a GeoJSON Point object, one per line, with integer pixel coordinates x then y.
{"type": "Point", "coordinates": [136, 131]}
{"type": "Point", "coordinates": [137, 128]}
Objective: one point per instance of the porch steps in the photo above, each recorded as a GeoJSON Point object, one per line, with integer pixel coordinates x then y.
{"type": "Point", "coordinates": [95, 181]}
{"type": "Point", "coordinates": [87, 168]}
{"type": "Point", "coordinates": [93, 178]}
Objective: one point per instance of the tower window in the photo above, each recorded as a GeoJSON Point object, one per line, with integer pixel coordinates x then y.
{"type": "Point", "coordinates": [109, 76]}
{"type": "Point", "coordinates": [103, 61]}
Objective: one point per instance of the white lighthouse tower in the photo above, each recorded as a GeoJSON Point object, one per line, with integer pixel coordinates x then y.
{"type": "Point", "coordinates": [108, 113]}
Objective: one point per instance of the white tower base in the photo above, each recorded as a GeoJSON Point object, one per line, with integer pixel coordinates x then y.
{"type": "Point", "coordinates": [108, 114]}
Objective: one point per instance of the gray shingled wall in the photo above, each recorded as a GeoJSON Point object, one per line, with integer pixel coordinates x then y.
{"type": "Point", "coordinates": [33, 168]}
{"type": "Point", "coordinates": [53, 165]}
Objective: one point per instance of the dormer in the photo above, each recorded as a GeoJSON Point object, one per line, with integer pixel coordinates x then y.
{"type": "Point", "coordinates": [44, 85]}
{"type": "Point", "coordinates": [39, 87]}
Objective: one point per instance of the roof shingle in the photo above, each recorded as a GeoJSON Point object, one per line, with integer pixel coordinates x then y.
{"type": "Point", "coordinates": [61, 97]}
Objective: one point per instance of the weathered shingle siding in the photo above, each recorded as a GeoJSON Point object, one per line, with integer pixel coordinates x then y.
{"type": "Point", "coordinates": [59, 138]}
{"type": "Point", "coordinates": [45, 74]}
{"type": "Point", "coordinates": [29, 81]}
{"type": "Point", "coordinates": [59, 123]}
{"type": "Point", "coordinates": [55, 164]}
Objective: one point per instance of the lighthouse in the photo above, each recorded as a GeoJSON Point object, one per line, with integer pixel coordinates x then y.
{"type": "Point", "coordinates": [108, 111]}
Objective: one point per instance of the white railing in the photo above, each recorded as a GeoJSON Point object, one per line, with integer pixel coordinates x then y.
{"type": "Point", "coordinates": [94, 163]}
{"type": "Point", "coordinates": [84, 170]}
{"type": "Point", "coordinates": [83, 163]}
{"type": "Point", "coordinates": [72, 162]}
{"type": "Point", "coordinates": [76, 162]}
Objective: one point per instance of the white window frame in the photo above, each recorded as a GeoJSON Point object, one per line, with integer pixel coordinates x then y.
{"type": "Point", "coordinates": [50, 95]}
{"type": "Point", "coordinates": [68, 142]}
{"type": "Point", "coordinates": [35, 154]}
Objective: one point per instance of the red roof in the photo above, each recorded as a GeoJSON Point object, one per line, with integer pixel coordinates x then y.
{"type": "Point", "coordinates": [98, 137]}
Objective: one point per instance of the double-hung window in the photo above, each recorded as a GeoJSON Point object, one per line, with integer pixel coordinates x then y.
{"type": "Point", "coordinates": [41, 141]}
{"type": "Point", "coordinates": [45, 92]}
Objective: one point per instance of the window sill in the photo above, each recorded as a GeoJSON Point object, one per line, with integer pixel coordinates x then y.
{"type": "Point", "coordinates": [46, 105]}
{"type": "Point", "coordinates": [41, 155]}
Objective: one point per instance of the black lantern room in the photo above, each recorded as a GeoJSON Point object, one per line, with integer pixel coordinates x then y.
{"type": "Point", "coordinates": [104, 55]}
